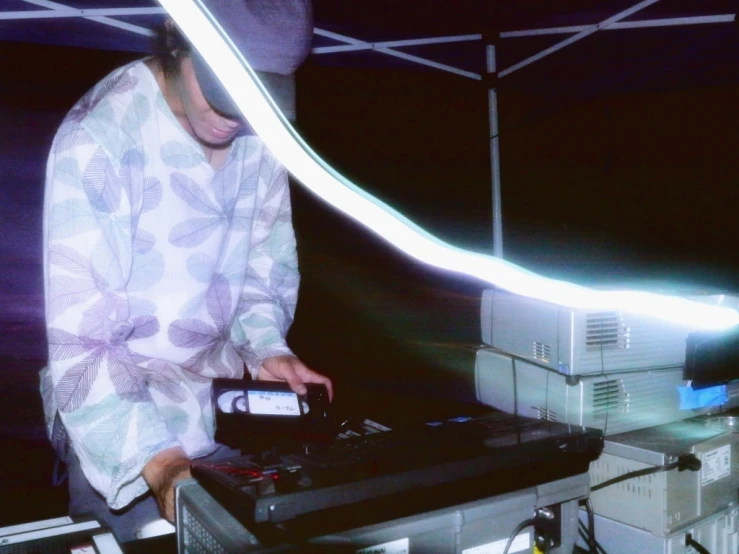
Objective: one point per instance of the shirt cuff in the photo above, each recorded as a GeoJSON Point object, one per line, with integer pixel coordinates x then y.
{"type": "Point", "coordinates": [254, 358]}
{"type": "Point", "coordinates": [128, 484]}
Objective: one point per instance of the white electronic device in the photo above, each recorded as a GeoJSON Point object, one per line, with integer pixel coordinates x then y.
{"type": "Point", "coordinates": [577, 342]}
{"type": "Point", "coordinates": [717, 533]}
{"type": "Point", "coordinates": [76, 535]}
{"type": "Point", "coordinates": [614, 402]}
{"type": "Point", "coordinates": [664, 502]}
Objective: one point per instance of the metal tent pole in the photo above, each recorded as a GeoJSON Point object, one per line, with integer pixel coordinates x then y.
{"type": "Point", "coordinates": [492, 84]}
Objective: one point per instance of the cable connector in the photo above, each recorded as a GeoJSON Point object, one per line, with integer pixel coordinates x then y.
{"type": "Point", "coordinates": [695, 545]}
{"type": "Point", "coordinates": [683, 462]}
{"type": "Point", "coordinates": [688, 461]}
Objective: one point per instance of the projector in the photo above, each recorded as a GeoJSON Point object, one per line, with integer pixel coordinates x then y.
{"type": "Point", "coordinates": [616, 402]}
{"type": "Point", "coordinates": [580, 342]}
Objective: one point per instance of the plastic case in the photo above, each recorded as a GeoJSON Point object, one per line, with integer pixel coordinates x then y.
{"type": "Point", "coordinates": [613, 402]}
{"type": "Point", "coordinates": [718, 534]}
{"type": "Point", "coordinates": [578, 341]}
{"type": "Point", "coordinates": [61, 535]}
{"type": "Point", "coordinates": [480, 527]}
{"type": "Point", "coordinates": [663, 502]}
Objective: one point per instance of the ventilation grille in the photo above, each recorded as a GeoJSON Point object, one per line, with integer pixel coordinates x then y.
{"type": "Point", "coordinates": [605, 331]}
{"type": "Point", "coordinates": [542, 352]}
{"type": "Point", "coordinates": [544, 413]}
{"type": "Point", "coordinates": [197, 538]}
{"type": "Point", "coordinates": [645, 486]}
{"type": "Point", "coordinates": [610, 398]}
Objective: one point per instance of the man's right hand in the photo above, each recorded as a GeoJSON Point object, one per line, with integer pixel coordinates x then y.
{"type": "Point", "coordinates": [161, 473]}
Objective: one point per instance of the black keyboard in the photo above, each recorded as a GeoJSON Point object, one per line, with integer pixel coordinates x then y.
{"type": "Point", "coordinates": [489, 451]}
{"type": "Point", "coordinates": [448, 440]}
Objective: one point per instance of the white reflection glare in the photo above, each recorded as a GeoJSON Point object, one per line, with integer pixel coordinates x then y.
{"type": "Point", "coordinates": [315, 174]}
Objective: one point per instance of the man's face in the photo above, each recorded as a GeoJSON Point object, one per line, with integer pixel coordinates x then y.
{"type": "Point", "coordinates": [208, 125]}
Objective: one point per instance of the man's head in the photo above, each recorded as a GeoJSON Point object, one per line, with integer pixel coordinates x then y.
{"type": "Point", "coordinates": [273, 35]}
{"type": "Point", "coordinates": [275, 38]}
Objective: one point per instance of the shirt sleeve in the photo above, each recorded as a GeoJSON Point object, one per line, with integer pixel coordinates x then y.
{"type": "Point", "coordinates": [267, 304]}
{"type": "Point", "coordinates": [94, 256]}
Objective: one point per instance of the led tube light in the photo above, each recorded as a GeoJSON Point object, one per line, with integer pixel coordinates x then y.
{"type": "Point", "coordinates": [306, 166]}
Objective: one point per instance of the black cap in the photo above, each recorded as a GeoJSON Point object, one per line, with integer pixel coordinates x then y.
{"type": "Point", "coordinates": [274, 36]}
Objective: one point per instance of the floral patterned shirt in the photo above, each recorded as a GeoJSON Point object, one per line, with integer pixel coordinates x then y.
{"type": "Point", "coordinates": [160, 274]}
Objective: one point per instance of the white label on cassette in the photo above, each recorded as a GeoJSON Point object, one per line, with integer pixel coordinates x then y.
{"type": "Point", "coordinates": [401, 546]}
{"type": "Point", "coordinates": [273, 403]}
{"type": "Point", "coordinates": [520, 543]}
{"type": "Point", "coordinates": [715, 465]}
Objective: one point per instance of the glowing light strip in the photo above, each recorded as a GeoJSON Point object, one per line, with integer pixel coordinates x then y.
{"type": "Point", "coordinates": [306, 166]}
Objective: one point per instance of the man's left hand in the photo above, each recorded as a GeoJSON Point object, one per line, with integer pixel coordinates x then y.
{"type": "Point", "coordinates": [295, 372]}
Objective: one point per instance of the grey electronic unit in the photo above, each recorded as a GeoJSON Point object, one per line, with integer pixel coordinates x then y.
{"type": "Point", "coordinates": [613, 402]}
{"type": "Point", "coordinates": [664, 502]}
{"type": "Point", "coordinates": [440, 478]}
{"type": "Point", "coordinates": [581, 342]}
{"type": "Point", "coordinates": [60, 535]}
{"type": "Point", "coordinates": [717, 534]}
{"type": "Point", "coordinates": [478, 527]}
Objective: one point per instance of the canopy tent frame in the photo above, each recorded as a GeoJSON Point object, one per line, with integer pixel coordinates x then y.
{"type": "Point", "coordinates": [493, 75]}
{"type": "Point", "coordinates": [490, 78]}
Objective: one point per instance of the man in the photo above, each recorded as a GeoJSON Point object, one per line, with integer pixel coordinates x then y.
{"type": "Point", "coordinates": [170, 260]}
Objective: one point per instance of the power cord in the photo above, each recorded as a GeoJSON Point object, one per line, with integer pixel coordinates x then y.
{"type": "Point", "coordinates": [591, 525]}
{"type": "Point", "coordinates": [698, 547]}
{"type": "Point", "coordinates": [684, 461]}
{"type": "Point", "coordinates": [588, 534]}
{"type": "Point", "coordinates": [583, 532]}
{"type": "Point", "coordinates": [520, 527]}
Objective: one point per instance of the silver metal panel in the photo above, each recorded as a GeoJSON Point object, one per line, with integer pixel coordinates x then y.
{"type": "Point", "coordinates": [643, 342]}
{"type": "Point", "coordinates": [658, 445]}
{"type": "Point", "coordinates": [614, 402]}
{"type": "Point", "coordinates": [718, 533]}
{"type": "Point", "coordinates": [204, 527]}
{"type": "Point", "coordinates": [579, 342]}
{"type": "Point", "coordinates": [523, 326]}
{"type": "Point", "coordinates": [483, 524]}
{"type": "Point", "coordinates": [664, 502]}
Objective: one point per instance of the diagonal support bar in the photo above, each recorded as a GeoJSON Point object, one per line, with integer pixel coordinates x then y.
{"type": "Point", "coordinates": [73, 12]}
{"type": "Point", "coordinates": [395, 44]}
{"type": "Point", "coordinates": [401, 55]}
{"type": "Point", "coordinates": [579, 36]}
{"type": "Point", "coordinates": [98, 19]}
{"type": "Point", "coordinates": [643, 24]}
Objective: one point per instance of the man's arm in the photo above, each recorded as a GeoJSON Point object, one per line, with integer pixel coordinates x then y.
{"type": "Point", "coordinates": [295, 372]}
{"type": "Point", "coordinates": [99, 387]}
{"type": "Point", "coordinates": [267, 306]}
{"type": "Point", "coordinates": [161, 473]}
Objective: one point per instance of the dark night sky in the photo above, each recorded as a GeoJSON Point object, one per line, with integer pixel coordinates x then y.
{"type": "Point", "coordinates": [608, 190]}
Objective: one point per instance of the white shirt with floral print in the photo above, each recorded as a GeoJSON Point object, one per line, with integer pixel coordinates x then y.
{"type": "Point", "coordinates": [160, 274]}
